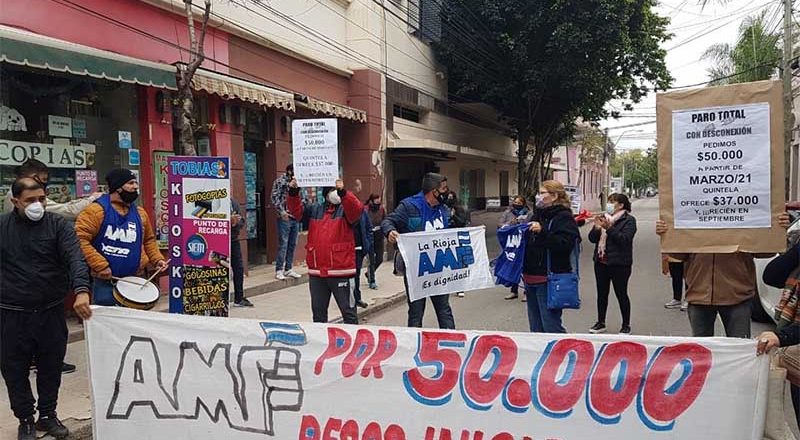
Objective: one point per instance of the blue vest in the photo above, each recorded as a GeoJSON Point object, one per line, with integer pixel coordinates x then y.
{"type": "Point", "coordinates": [120, 238]}
{"type": "Point", "coordinates": [508, 266]}
{"type": "Point", "coordinates": [432, 218]}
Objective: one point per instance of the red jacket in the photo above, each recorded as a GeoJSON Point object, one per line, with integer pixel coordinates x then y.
{"type": "Point", "coordinates": [330, 248]}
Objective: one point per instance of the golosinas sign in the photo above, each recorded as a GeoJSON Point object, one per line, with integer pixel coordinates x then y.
{"type": "Point", "coordinates": [185, 377]}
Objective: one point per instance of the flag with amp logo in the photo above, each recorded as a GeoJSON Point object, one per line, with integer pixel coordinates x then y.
{"type": "Point", "coordinates": [445, 261]}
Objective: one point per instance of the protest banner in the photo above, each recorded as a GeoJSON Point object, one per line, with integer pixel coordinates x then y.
{"type": "Point", "coordinates": [199, 239]}
{"type": "Point", "coordinates": [445, 261]}
{"type": "Point", "coordinates": [315, 152]}
{"type": "Point", "coordinates": [721, 174]}
{"type": "Point", "coordinates": [156, 375]}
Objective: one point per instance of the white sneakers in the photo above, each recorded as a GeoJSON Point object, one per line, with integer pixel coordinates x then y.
{"type": "Point", "coordinates": [281, 275]}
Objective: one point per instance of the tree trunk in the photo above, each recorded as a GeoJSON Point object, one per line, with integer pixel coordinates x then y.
{"type": "Point", "coordinates": [185, 118]}
{"type": "Point", "coordinates": [522, 155]}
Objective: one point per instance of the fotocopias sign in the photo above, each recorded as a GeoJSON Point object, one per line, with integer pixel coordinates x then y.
{"type": "Point", "coordinates": [190, 377]}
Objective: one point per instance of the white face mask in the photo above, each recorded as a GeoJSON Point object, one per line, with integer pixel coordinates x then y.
{"type": "Point", "coordinates": [539, 201]}
{"type": "Point", "coordinates": [611, 209]}
{"type": "Point", "coordinates": [333, 198]}
{"type": "Point", "coordinates": [35, 211]}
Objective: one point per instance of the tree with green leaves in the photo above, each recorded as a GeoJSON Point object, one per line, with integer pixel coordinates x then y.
{"type": "Point", "coordinates": [544, 63]}
{"type": "Point", "coordinates": [755, 56]}
{"type": "Point", "coordinates": [639, 167]}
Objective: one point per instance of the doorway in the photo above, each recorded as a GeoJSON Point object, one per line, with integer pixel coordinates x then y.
{"type": "Point", "coordinates": [255, 138]}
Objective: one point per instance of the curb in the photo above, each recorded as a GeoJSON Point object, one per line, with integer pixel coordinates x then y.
{"type": "Point", "coordinates": [376, 308]}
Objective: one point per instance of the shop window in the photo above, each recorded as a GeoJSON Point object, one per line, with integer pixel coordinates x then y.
{"type": "Point", "coordinates": [79, 127]}
{"type": "Point", "coordinates": [406, 113]}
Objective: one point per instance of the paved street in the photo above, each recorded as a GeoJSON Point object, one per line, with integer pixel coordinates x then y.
{"type": "Point", "coordinates": [649, 290]}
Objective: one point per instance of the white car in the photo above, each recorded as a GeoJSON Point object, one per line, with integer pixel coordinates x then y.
{"type": "Point", "coordinates": [763, 305]}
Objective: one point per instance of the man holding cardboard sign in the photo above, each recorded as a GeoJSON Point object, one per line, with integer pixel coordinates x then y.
{"type": "Point", "coordinates": [720, 171]}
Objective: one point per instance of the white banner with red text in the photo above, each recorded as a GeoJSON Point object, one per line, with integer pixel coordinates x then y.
{"type": "Point", "coordinates": [445, 261]}
{"type": "Point", "coordinates": [158, 375]}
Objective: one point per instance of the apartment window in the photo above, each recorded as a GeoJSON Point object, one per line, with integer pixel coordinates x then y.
{"type": "Point", "coordinates": [406, 113]}
{"type": "Point", "coordinates": [413, 16]}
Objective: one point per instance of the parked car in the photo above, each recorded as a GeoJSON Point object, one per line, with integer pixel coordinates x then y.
{"type": "Point", "coordinates": [762, 308]}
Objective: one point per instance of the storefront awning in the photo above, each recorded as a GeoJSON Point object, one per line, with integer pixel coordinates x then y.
{"type": "Point", "coordinates": [33, 50]}
{"type": "Point", "coordinates": [337, 110]}
{"type": "Point", "coordinates": [229, 87]}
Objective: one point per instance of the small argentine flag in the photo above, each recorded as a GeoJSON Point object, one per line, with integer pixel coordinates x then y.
{"type": "Point", "coordinates": [289, 334]}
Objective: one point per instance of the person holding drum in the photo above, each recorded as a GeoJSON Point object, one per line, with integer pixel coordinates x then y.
{"type": "Point", "coordinates": [40, 262]}
{"type": "Point", "coordinates": [117, 238]}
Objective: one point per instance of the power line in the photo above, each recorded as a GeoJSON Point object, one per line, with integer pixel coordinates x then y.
{"type": "Point", "coordinates": [703, 33]}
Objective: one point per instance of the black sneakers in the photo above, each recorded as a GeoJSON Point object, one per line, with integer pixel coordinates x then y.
{"type": "Point", "coordinates": [598, 327]}
{"type": "Point", "coordinates": [52, 426]}
{"type": "Point", "coordinates": [625, 330]}
{"type": "Point", "coordinates": [243, 303]}
{"type": "Point", "coordinates": [67, 368]}
{"type": "Point", "coordinates": [26, 430]}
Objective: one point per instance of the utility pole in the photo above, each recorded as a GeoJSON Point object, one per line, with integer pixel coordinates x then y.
{"type": "Point", "coordinates": [607, 180]}
{"type": "Point", "coordinates": [788, 119]}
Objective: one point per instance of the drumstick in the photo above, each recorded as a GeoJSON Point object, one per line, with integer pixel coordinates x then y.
{"type": "Point", "coordinates": [127, 281]}
{"type": "Point", "coordinates": [149, 279]}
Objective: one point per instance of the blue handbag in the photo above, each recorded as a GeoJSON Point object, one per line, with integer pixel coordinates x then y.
{"type": "Point", "coordinates": [562, 288]}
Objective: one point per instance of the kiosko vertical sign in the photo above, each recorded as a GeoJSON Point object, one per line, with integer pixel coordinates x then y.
{"type": "Point", "coordinates": [721, 167]}
{"type": "Point", "coordinates": [199, 234]}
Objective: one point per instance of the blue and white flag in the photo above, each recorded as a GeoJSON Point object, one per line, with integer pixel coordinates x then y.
{"type": "Point", "coordinates": [445, 261]}
{"type": "Point", "coordinates": [508, 266]}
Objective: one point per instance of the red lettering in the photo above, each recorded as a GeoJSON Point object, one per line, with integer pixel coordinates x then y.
{"type": "Point", "coordinates": [338, 344]}
{"type": "Point", "coordinates": [609, 396]}
{"type": "Point", "coordinates": [436, 390]}
{"type": "Point", "coordinates": [309, 428]}
{"type": "Point", "coordinates": [332, 427]}
{"type": "Point", "coordinates": [387, 345]}
{"type": "Point", "coordinates": [393, 432]}
{"type": "Point", "coordinates": [503, 436]}
{"type": "Point", "coordinates": [363, 346]}
{"type": "Point", "coordinates": [480, 391]}
{"type": "Point", "coordinates": [662, 402]}
{"type": "Point", "coordinates": [555, 396]}
{"type": "Point", "coordinates": [372, 432]}
{"type": "Point", "coordinates": [349, 431]}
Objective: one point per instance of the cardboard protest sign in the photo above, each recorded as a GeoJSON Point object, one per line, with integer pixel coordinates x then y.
{"type": "Point", "coordinates": [445, 261]}
{"type": "Point", "coordinates": [721, 174]}
{"type": "Point", "coordinates": [157, 375]}
{"type": "Point", "coordinates": [315, 151]}
{"type": "Point", "coordinates": [199, 239]}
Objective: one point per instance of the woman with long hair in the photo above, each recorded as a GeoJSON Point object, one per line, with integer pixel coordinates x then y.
{"type": "Point", "coordinates": [612, 235]}
{"type": "Point", "coordinates": [551, 238]}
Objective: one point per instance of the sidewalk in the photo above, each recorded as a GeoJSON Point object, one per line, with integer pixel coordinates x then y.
{"type": "Point", "coordinates": [272, 300]}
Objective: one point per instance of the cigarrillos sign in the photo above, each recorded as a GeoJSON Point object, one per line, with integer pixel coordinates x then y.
{"type": "Point", "coordinates": [199, 234]}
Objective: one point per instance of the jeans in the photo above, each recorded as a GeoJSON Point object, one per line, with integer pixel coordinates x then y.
{"type": "Point", "coordinates": [287, 240]}
{"type": "Point", "coordinates": [735, 319]}
{"type": "Point", "coordinates": [237, 269]}
{"type": "Point", "coordinates": [540, 318]}
{"type": "Point", "coordinates": [25, 336]}
{"type": "Point", "coordinates": [441, 304]}
{"type": "Point", "coordinates": [341, 289]}
{"type": "Point", "coordinates": [676, 273]}
{"type": "Point", "coordinates": [606, 275]}
{"type": "Point", "coordinates": [103, 293]}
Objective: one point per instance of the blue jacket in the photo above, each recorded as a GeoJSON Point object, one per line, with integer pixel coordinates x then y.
{"type": "Point", "coordinates": [408, 217]}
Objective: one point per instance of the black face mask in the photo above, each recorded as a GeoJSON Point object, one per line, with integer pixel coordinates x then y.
{"type": "Point", "coordinates": [442, 198]}
{"type": "Point", "coordinates": [375, 206]}
{"type": "Point", "coordinates": [129, 196]}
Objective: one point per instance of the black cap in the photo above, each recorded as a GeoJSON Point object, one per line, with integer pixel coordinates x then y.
{"type": "Point", "coordinates": [118, 177]}
{"type": "Point", "coordinates": [431, 181]}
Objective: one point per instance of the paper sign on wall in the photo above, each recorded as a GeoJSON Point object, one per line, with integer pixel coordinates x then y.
{"type": "Point", "coordinates": [59, 126]}
{"type": "Point", "coordinates": [315, 148]}
{"type": "Point", "coordinates": [124, 139]}
{"type": "Point", "coordinates": [85, 182]}
{"type": "Point", "coordinates": [156, 375]}
{"type": "Point", "coordinates": [133, 157]}
{"type": "Point", "coordinates": [79, 128]}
